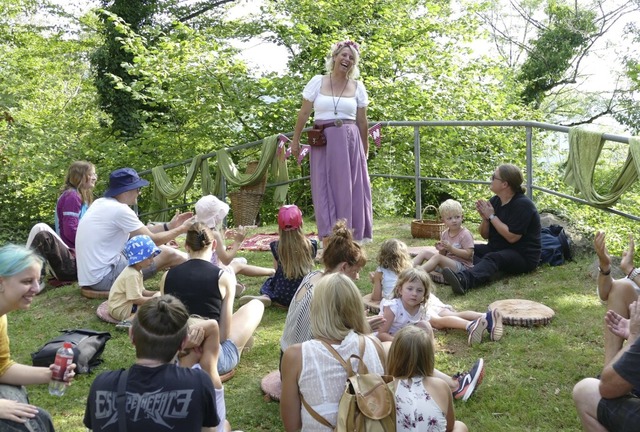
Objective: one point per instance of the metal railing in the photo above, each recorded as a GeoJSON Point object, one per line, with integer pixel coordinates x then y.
{"type": "Point", "coordinates": [528, 127]}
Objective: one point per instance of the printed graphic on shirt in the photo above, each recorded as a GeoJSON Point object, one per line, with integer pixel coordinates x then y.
{"type": "Point", "coordinates": [157, 406]}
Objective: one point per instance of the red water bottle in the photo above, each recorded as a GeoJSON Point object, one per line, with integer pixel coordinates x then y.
{"type": "Point", "coordinates": [64, 357]}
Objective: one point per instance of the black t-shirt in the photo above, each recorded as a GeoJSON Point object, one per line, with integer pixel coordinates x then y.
{"type": "Point", "coordinates": [195, 283]}
{"type": "Point", "coordinates": [159, 399]}
{"type": "Point", "coordinates": [521, 216]}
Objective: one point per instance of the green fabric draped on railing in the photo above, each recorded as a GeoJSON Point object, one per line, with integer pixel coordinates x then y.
{"type": "Point", "coordinates": [584, 150]}
{"type": "Point", "coordinates": [165, 190]}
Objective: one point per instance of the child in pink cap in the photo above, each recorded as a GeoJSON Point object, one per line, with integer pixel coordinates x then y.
{"type": "Point", "coordinates": [293, 256]}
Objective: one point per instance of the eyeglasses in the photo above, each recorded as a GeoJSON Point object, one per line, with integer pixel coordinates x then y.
{"type": "Point", "coordinates": [493, 177]}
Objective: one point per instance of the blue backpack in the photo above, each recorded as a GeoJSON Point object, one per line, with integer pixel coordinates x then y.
{"type": "Point", "coordinates": [556, 246]}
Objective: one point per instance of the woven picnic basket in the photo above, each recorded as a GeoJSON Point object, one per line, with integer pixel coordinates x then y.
{"type": "Point", "coordinates": [427, 228]}
{"type": "Point", "coordinates": [245, 205]}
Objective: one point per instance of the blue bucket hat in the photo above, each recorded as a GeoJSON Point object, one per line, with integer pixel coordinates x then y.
{"type": "Point", "coordinates": [139, 248]}
{"type": "Point", "coordinates": [124, 180]}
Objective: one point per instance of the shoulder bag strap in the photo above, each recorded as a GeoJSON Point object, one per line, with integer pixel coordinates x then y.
{"type": "Point", "coordinates": [121, 400]}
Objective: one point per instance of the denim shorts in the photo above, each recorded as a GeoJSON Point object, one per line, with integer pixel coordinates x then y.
{"type": "Point", "coordinates": [229, 357]}
{"type": "Point", "coordinates": [621, 414]}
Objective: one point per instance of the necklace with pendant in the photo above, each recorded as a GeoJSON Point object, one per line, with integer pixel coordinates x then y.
{"type": "Point", "coordinates": [337, 122]}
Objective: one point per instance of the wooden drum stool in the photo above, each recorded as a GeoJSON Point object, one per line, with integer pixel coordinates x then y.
{"type": "Point", "coordinates": [525, 313]}
{"type": "Point", "coordinates": [371, 305]}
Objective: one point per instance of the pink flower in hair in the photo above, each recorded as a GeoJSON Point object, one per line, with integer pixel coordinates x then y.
{"type": "Point", "coordinates": [350, 44]}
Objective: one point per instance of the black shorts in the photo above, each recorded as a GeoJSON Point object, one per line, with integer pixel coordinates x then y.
{"type": "Point", "coordinates": [621, 414]}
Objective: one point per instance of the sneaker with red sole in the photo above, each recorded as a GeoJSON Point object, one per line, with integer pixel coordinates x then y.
{"type": "Point", "coordinates": [468, 382]}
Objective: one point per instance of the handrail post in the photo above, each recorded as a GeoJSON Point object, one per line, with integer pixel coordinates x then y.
{"type": "Point", "coordinates": [529, 132]}
{"type": "Point", "coordinates": [416, 155]}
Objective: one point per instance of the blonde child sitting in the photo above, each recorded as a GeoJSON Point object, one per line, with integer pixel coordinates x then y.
{"type": "Point", "coordinates": [393, 258]}
{"type": "Point", "coordinates": [455, 246]}
{"type": "Point", "coordinates": [423, 402]}
{"type": "Point", "coordinates": [414, 303]}
{"type": "Point", "coordinates": [128, 291]}
{"type": "Point", "coordinates": [408, 309]}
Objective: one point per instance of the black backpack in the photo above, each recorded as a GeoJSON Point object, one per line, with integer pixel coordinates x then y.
{"type": "Point", "coordinates": [87, 348]}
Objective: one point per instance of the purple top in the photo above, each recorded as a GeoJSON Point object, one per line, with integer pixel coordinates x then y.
{"type": "Point", "coordinates": [69, 210]}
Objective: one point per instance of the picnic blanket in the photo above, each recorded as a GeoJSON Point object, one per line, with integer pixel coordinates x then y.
{"type": "Point", "coordinates": [261, 242]}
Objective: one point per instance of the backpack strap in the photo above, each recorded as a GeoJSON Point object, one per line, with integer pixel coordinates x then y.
{"type": "Point", "coordinates": [362, 368]}
{"type": "Point", "coordinates": [121, 400]}
{"type": "Point", "coordinates": [323, 421]}
{"type": "Point", "coordinates": [380, 350]}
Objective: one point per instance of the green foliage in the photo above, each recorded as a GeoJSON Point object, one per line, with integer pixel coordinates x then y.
{"type": "Point", "coordinates": [555, 47]}
{"type": "Point", "coordinates": [110, 59]}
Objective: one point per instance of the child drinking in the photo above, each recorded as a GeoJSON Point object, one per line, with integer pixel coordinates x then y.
{"type": "Point", "coordinates": [293, 256]}
{"type": "Point", "coordinates": [211, 211]}
{"type": "Point", "coordinates": [128, 291]}
{"type": "Point", "coordinates": [423, 402]}
{"type": "Point", "coordinates": [455, 246]}
{"type": "Point", "coordinates": [392, 259]}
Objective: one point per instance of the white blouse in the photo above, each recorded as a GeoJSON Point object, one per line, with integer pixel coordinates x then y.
{"type": "Point", "coordinates": [322, 379]}
{"type": "Point", "coordinates": [323, 105]}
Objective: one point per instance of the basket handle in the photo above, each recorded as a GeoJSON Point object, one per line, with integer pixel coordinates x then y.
{"type": "Point", "coordinates": [431, 207]}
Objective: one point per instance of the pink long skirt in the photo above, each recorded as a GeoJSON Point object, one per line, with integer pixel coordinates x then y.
{"type": "Point", "coordinates": [340, 185]}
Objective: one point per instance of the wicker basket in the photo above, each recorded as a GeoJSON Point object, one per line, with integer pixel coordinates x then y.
{"type": "Point", "coordinates": [427, 228]}
{"type": "Point", "coordinates": [258, 187]}
{"type": "Point", "coordinates": [245, 205]}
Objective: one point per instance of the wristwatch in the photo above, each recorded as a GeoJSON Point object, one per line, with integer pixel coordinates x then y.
{"type": "Point", "coordinates": [491, 217]}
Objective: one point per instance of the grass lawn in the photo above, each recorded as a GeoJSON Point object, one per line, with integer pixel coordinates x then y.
{"type": "Point", "coordinates": [529, 376]}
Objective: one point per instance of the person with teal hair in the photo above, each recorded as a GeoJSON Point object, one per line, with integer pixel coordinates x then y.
{"type": "Point", "coordinates": [19, 283]}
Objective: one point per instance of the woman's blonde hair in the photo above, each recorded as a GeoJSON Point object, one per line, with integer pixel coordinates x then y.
{"type": "Point", "coordinates": [341, 248]}
{"type": "Point", "coordinates": [394, 256]}
{"type": "Point", "coordinates": [412, 353]}
{"type": "Point", "coordinates": [337, 308]}
{"type": "Point", "coordinates": [450, 207]}
{"type": "Point", "coordinates": [354, 72]}
{"type": "Point", "coordinates": [414, 274]}
{"type": "Point", "coordinates": [78, 178]}
{"type": "Point", "coordinates": [294, 253]}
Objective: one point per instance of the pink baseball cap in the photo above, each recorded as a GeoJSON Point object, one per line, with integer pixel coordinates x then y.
{"type": "Point", "coordinates": [289, 217]}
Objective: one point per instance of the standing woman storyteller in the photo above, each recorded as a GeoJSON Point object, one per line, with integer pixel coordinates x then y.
{"type": "Point", "coordinates": [340, 104]}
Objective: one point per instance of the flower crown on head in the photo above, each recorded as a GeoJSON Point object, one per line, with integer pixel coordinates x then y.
{"type": "Point", "coordinates": [348, 43]}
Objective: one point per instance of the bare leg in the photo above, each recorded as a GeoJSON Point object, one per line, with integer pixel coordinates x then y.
{"type": "Point", "coordinates": [449, 322]}
{"type": "Point", "coordinates": [621, 295]}
{"type": "Point", "coordinates": [467, 315]}
{"type": "Point", "coordinates": [458, 426]}
{"type": "Point", "coordinates": [448, 379]}
{"type": "Point", "coordinates": [244, 322]}
{"type": "Point", "coordinates": [421, 257]}
{"type": "Point", "coordinates": [170, 257]}
{"type": "Point", "coordinates": [586, 396]}
{"type": "Point", "coordinates": [251, 270]}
